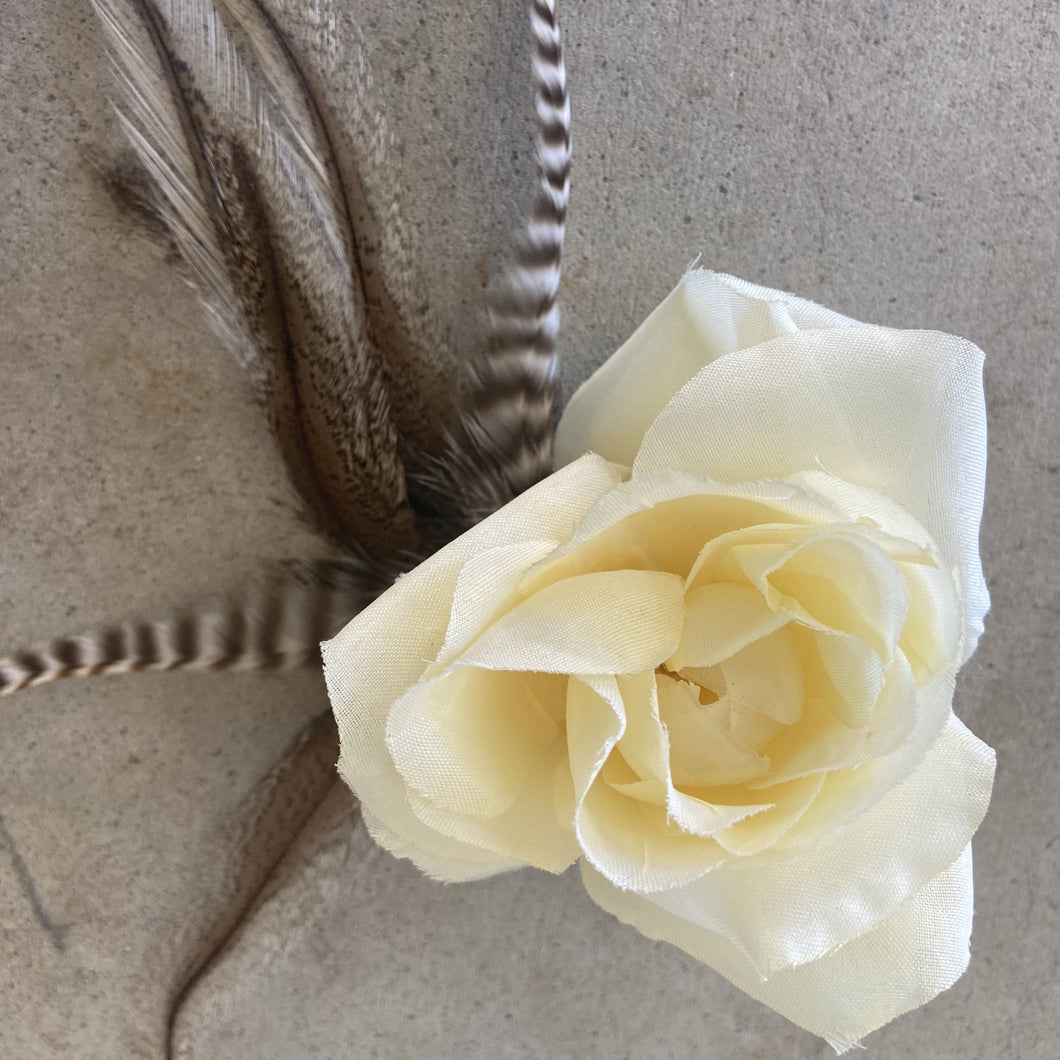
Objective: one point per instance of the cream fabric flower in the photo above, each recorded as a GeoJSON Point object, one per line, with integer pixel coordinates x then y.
{"type": "Point", "coordinates": [713, 659]}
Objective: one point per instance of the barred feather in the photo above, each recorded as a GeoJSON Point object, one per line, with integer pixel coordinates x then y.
{"type": "Point", "coordinates": [275, 622]}
{"type": "Point", "coordinates": [506, 426]}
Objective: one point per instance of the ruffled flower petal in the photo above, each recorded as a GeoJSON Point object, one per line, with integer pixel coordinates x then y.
{"type": "Point", "coordinates": [914, 954]}
{"type": "Point", "coordinates": [896, 412]}
{"type": "Point", "coordinates": [371, 663]}
{"type": "Point", "coordinates": [781, 913]}
{"type": "Point", "coordinates": [607, 622]}
{"type": "Point", "coordinates": [706, 317]}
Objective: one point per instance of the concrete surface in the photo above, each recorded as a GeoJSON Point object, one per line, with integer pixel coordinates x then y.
{"type": "Point", "coordinates": [896, 161]}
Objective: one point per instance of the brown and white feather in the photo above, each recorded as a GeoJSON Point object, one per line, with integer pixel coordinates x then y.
{"type": "Point", "coordinates": [247, 183]}
{"type": "Point", "coordinates": [277, 621]}
{"type": "Point", "coordinates": [505, 444]}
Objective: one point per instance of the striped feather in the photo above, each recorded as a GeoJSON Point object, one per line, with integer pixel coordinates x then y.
{"type": "Point", "coordinates": [505, 441]}
{"type": "Point", "coordinates": [275, 622]}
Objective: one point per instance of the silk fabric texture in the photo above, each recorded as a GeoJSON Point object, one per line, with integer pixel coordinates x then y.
{"type": "Point", "coordinates": [712, 658]}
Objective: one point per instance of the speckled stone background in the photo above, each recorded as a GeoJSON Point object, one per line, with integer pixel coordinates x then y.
{"type": "Point", "coordinates": [898, 161]}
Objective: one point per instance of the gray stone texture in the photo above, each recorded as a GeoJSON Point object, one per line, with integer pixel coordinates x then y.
{"type": "Point", "coordinates": [896, 161]}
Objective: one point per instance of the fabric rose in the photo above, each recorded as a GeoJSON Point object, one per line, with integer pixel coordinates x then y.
{"type": "Point", "coordinates": [713, 658]}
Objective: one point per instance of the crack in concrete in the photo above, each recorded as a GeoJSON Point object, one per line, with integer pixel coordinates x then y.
{"type": "Point", "coordinates": [56, 932]}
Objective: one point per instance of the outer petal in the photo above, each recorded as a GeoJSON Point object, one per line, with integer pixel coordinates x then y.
{"type": "Point", "coordinates": [488, 587]}
{"type": "Point", "coordinates": [535, 830]}
{"type": "Point", "coordinates": [706, 317]}
{"type": "Point", "coordinates": [897, 412]}
{"type": "Point", "coordinates": [468, 741]}
{"type": "Point", "coordinates": [387, 647]}
{"type": "Point", "coordinates": [804, 313]}
{"type": "Point", "coordinates": [787, 911]}
{"type": "Point", "coordinates": [920, 950]}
